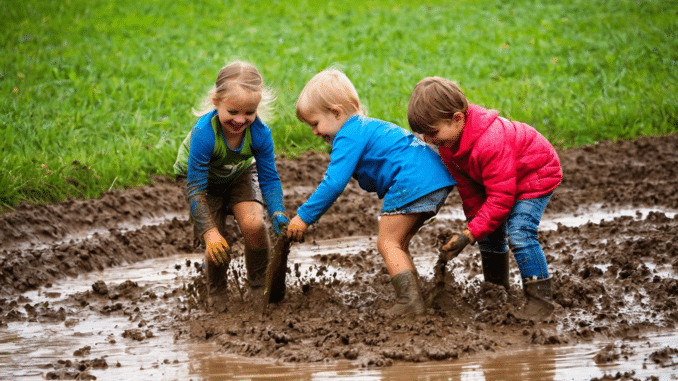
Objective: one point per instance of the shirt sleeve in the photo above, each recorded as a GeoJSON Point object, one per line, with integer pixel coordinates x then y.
{"type": "Point", "coordinates": [346, 153]}
{"type": "Point", "coordinates": [269, 180]}
{"type": "Point", "coordinates": [200, 153]}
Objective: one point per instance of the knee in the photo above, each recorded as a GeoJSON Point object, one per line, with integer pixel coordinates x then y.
{"type": "Point", "coordinates": [386, 245]}
{"type": "Point", "coordinates": [522, 236]}
{"type": "Point", "coordinates": [252, 223]}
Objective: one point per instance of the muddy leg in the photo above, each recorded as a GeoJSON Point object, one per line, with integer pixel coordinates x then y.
{"type": "Point", "coordinates": [216, 276]}
{"type": "Point", "coordinates": [217, 285]}
{"type": "Point", "coordinates": [395, 233]}
{"type": "Point", "coordinates": [256, 262]}
{"type": "Point", "coordinates": [250, 218]}
{"type": "Point", "coordinates": [408, 238]}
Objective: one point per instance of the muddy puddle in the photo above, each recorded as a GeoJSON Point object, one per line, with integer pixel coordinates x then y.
{"type": "Point", "coordinates": [124, 345]}
{"type": "Point", "coordinates": [109, 288]}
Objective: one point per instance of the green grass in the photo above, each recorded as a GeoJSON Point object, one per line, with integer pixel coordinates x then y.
{"type": "Point", "coordinates": [96, 95]}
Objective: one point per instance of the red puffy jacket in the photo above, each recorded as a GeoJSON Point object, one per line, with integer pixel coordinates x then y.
{"type": "Point", "coordinates": [496, 163]}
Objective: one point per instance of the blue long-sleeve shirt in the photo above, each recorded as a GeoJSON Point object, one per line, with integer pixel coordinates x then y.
{"type": "Point", "coordinates": [384, 158]}
{"type": "Point", "coordinates": [205, 158]}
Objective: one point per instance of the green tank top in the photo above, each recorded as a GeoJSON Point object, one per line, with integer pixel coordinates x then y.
{"type": "Point", "coordinates": [225, 164]}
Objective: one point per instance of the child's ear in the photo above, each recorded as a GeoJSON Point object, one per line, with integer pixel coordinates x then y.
{"type": "Point", "coordinates": [458, 117]}
{"type": "Point", "coordinates": [337, 111]}
{"type": "Point", "coordinates": [215, 101]}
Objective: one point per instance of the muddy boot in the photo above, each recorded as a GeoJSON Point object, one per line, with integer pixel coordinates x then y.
{"type": "Point", "coordinates": [409, 301]}
{"type": "Point", "coordinates": [496, 268]}
{"type": "Point", "coordinates": [256, 262]}
{"type": "Point", "coordinates": [217, 286]}
{"type": "Point", "coordinates": [539, 304]}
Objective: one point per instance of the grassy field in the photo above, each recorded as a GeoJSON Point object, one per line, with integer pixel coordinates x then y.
{"type": "Point", "coordinates": [97, 95]}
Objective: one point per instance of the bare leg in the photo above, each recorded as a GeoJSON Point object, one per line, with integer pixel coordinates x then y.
{"type": "Point", "coordinates": [250, 218]}
{"type": "Point", "coordinates": [395, 234]}
{"type": "Point", "coordinates": [393, 242]}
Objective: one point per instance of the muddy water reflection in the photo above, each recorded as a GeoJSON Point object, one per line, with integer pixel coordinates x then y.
{"type": "Point", "coordinates": [27, 347]}
{"type": "Point", "coordinates": [550, 363]}
{"type": "Point", "coordinates": [594, 214]}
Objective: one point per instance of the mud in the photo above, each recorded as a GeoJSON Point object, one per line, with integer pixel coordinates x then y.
{"type": "Point", "coordinates": [613, 279]}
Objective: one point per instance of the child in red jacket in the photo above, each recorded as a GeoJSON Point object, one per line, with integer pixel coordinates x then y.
{"type": "Point", "coordinates": [506, 173]}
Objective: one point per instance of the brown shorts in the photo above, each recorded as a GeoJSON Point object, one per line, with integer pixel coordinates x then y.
{"type": "Point", "coordinates": [222, 197]}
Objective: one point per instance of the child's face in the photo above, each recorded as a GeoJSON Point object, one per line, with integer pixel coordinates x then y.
{"type": "Point", "coordinates": [326, 124]}
{"type": "Point", "coordinates": [447, 132]}
{"type": "Point", "coordinates": [237, 110]}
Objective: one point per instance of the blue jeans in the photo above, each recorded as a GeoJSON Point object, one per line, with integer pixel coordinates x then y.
{"type": "Point", "coordinates": [520, 227]}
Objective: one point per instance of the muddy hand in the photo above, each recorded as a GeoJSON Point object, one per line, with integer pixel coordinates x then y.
{"type": "Point", "coordinates": [296, 229]}
{"type": "Point", "coordinates": [217, 247]}
{"type": "Point", "coordinates": [455, 245]}
{"type": "Point", "coordinates": [279, 221]}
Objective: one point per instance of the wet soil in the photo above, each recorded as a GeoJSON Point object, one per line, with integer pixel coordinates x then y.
{"type": "Point", "coordinates": [613, 279]}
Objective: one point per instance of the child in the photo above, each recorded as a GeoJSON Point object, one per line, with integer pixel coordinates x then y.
{"type": "Point", "coordinates": [217, 158]}
{"type": "Point", "coordinates": [507, 172]}
{"type": "Point", "coordinates": [383, 158]}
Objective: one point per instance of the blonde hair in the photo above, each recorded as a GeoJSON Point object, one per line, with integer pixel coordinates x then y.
{"type": "Point", "coordinates": [243, 75]}
{"type": "Point", "coordinates": [434, 99]}
{"type": "Point", "coordinates": [327, 89]}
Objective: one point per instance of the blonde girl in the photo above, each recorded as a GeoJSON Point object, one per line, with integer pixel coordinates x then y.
{"type": "Point", "coordinates": [229, 164]}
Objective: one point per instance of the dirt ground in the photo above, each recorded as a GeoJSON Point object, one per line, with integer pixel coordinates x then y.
{"type": "Point", "coordinates": [614, 279]}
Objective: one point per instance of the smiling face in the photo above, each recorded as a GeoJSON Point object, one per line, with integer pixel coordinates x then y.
{"type": "Point", "coordinates": [237, 110]}
{"type": "Point", "coordinates": [326, 124]}
{"type": "Point", "coordinates": [447, 132]}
